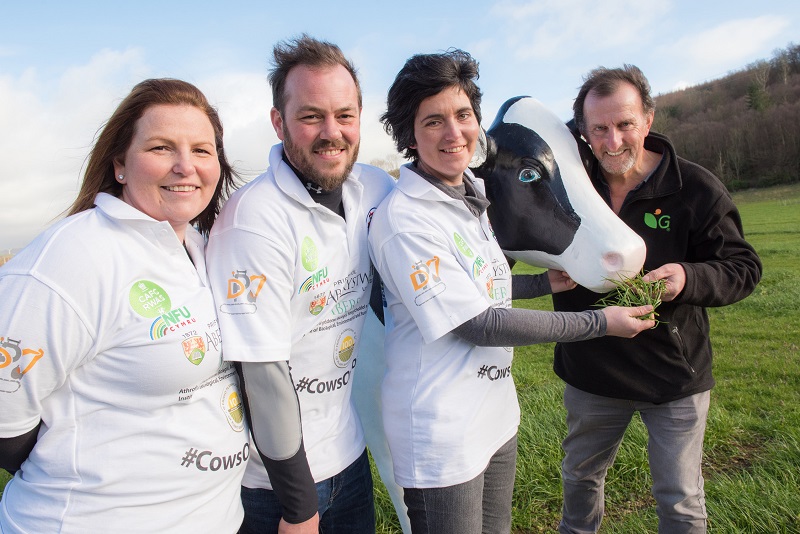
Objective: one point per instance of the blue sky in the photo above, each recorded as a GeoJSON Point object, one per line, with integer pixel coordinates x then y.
{"type": "Point", "coordinates": [64, 66]}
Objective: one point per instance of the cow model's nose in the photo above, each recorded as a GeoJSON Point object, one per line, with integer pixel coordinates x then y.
{"type": "Point", "coordinates": [613, 261]}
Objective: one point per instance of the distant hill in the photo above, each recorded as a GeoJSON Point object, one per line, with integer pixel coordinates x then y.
{"type": "Point", "coordinates": [744, 127]}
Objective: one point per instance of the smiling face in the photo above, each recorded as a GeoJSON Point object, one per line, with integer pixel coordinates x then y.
{"type": "Point", "coordinates": [320, 124]}
{"type": "Point", "coordinates": [616, 126]}
{"type": "Point", "coordinates": [446, 132]}
{"type": "Point", "coordinates": [171, 169]}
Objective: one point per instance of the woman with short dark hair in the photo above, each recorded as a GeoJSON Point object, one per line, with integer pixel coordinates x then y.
{"type": "Point", "coordinates": [450, 408]}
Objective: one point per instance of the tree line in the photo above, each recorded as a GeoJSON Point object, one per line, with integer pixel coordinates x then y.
{"type": "Point", "coordinates": [745, 127]}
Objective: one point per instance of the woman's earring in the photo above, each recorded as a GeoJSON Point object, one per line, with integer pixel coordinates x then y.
{"type": "Point", "coordinates": [120, 178]}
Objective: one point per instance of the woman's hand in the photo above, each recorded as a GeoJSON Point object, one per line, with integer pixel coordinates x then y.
{"type": "Point", "coordinates": [560, 281]}
{"type": "Point", "coordinates": [627, 322]}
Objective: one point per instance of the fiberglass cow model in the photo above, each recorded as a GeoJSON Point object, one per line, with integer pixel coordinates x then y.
{"type": "Point", "coordinates": [544, 212]}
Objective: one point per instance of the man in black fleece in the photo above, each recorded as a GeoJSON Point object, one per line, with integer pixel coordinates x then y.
{"type": "Point", "coordinates": [695, 243]}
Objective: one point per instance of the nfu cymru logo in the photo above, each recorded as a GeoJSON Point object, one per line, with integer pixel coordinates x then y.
{"type": "Point", "coordinates": [171, 322]}
{"type": "Point", "coordinates": [657, 220]}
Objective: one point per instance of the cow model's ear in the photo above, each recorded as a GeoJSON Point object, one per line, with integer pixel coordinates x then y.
{"type": "Point", "coordinates": [481, 151]}
{"type": "Point", "coordinates": [585, 151]}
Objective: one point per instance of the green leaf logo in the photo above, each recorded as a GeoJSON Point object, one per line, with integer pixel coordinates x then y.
{"type": "Point", "coordinates": [462, 245]}
{"type": "Point", "coordinates": [308, 254]}
{"type": "Point", "coordinates": [148, 299]}
{"type": "Point", "coordinates": [650, 220]}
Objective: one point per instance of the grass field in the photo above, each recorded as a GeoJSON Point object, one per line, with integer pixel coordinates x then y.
{"type": "Point", "coordinates": [752, 448]}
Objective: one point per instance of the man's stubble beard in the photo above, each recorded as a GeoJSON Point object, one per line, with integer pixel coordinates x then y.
{"type": "Point", "coordinates": [328, 181]}
{"type": "Point", "coordinates": [618, 168]}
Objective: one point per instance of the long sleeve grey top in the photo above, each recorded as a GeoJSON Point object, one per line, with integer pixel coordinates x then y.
{"type": "Point", "coordinates": [514, 327]}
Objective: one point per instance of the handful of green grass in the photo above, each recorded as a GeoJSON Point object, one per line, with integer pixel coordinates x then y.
{"type": "Point", "coordinates": [633, 291]}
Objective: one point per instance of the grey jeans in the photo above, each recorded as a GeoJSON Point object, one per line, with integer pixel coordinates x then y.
{"type": "Point", "coordinates": [481, 505]}
{"type": "Point", "coordinates": [595, 426]}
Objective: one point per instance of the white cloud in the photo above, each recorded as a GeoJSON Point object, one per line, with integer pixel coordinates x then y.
{"type": "Point", "coordinates": [551, 29]}
{"type": "Point", "coordinates": [482, 48]}
{"type": "Point", "coordinates": [728, 45]}
{"type": "Point", "coordinates": [243, 100]}
{"type": "Point", "coordinates": [375, 142]}
{"type": "Point", "coordinates": [715, 52]}
{"type": "Point", "coordinates": [48, 127]}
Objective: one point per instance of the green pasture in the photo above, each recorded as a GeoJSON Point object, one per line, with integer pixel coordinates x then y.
{"type": "Point", "coordinates": [752, 448]}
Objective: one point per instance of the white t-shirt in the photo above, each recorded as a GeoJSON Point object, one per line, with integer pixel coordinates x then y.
{"type": "Point", "coordinates": [448, 405]}
{"type": "Point", "coordinates": [108, 334]}
{"type": "Point", "coordinates": [292, 281]}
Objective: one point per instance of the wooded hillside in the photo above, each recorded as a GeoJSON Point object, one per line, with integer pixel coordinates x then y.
{"type": "Point", "coordinates": [744, 127]}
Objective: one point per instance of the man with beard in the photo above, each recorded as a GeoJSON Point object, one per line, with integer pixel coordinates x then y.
{"type": "Point", "coordinates": [696, 245]}
{"type": "Point", "coordinates": [291, 274]}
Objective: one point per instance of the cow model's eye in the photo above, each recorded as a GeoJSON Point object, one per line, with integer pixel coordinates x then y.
{"type": "Point", "coordinates": [529, 175]}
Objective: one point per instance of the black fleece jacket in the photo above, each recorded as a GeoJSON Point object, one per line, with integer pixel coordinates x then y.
{"type": "Point", "coordinates": [685, 215]}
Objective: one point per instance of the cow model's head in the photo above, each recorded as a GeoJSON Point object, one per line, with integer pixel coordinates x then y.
{"type": "Point", "coordinates": [545, 211]}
